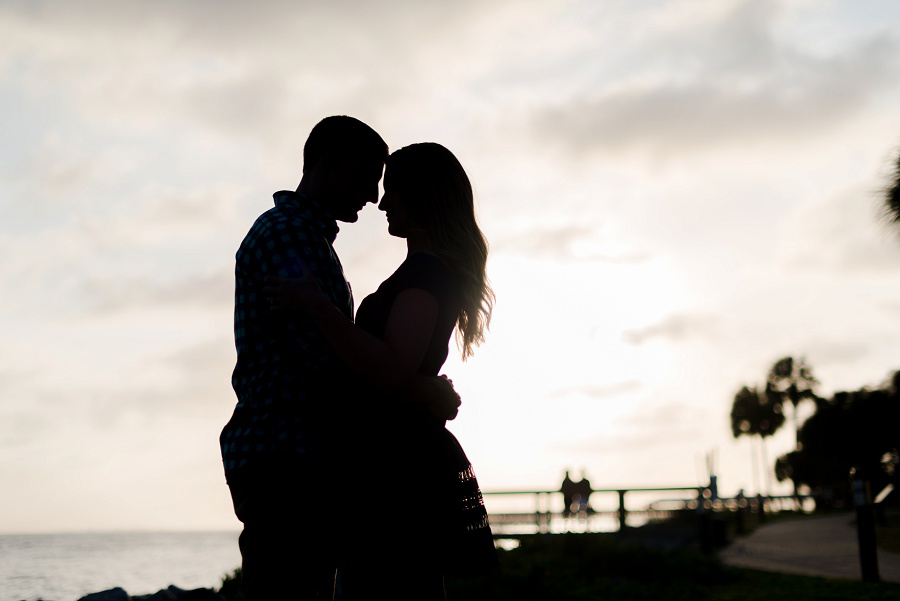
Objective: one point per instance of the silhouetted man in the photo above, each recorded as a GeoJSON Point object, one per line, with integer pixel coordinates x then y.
{"type": "Point", "coordinates": [289, 384]}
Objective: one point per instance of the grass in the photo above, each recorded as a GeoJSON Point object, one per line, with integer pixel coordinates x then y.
{"type": "Point", "coordinates": [659, 563]}
{"type": "Point", "coordinates": [594, 566]}
{"type": "Point", "coordinates": [887, 533]}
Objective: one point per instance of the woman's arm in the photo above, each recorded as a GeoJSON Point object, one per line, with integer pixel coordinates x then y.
{"type": "Point", "coordinates": [390, 364]}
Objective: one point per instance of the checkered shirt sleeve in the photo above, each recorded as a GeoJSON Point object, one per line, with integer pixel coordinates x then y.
{"type": "Point", "coordinates": [285, 366]}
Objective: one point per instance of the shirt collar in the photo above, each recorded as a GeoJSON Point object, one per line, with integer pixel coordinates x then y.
{"type": "Point", "coordinates": [311, 210]}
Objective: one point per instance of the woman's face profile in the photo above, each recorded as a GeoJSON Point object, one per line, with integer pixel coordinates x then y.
{"type": "Point", "coordinates": [392, 206]}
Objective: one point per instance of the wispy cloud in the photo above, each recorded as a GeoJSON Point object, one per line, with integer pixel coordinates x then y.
{"type": "Point", "coordinates": [244, 73]}
{"type": "Point", "coordinates": [723, 82]}
{"type": "Point", "coordinates": [674, 328]}
{"type": "Point", "coordinates": [192, 381]}
{"type": "Point", "coordinates": [598, 391]}
{"type": "Point", "coordinates": [651, 426]}
{"type": "Point", "coordinates": [212, 290]}
{"type": "Point", "coordinates": [568, 242]}
{"type": "Point", "coordinates": [891, 308]}
{"type": "Point", "coordinates": [204, 361]}
{"type": "Point", "coordinates": [840, 235]}
{"type": "Point", "coordinates": [841, 352]}
{"type": "Point", "coordinates": [148, 136]}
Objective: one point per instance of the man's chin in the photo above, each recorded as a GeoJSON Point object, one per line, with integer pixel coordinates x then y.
{"type": "Point", "coordinates": [348, 218]}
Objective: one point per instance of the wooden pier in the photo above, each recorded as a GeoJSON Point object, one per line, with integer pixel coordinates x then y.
{"type": "Point", "coordinates": [545, 520]}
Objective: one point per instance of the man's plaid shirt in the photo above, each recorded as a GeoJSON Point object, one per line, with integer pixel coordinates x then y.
{"type": "Point", "coordinates": [286, 375]}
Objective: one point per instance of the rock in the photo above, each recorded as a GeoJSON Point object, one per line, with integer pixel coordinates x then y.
{"type": "Point", "coordinates": [113, 594]}
{"type": "Point", "coordinates": [172, 593]}
{"type": "Point", "coordinates": [202, 594]}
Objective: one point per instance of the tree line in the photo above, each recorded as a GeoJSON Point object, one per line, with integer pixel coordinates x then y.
{"type": "Point", "coordinates": [850, 429]}
{"type": "Point", "coordinates": [856, 429]}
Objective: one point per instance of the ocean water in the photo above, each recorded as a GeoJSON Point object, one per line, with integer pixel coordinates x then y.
{"type": "Point", "coordinates": [65, 567]}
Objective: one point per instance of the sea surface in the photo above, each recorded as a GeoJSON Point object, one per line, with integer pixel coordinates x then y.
{"type": "Point", "coordinates": [65, 567]}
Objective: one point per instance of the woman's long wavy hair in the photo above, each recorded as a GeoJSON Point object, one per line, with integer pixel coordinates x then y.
{"type": "Point", "coordinates": [437, 199]}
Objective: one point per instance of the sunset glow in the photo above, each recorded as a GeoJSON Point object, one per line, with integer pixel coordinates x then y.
{"type": "Point", "coordinates": [676, 193]}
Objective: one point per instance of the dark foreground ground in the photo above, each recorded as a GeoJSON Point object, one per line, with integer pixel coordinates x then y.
{"type": "Point", "coordinates": [597, 567]}
{"type": "Point", "coordinates": [653, 563]}
{"type": "Point", "coordinates": [820, 545]}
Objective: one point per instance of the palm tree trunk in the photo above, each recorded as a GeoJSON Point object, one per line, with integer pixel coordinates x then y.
{"type": "Point", "coordinates": [796, 439]}
{"type": "Point", "coordinates": [765, 463]}
{"type": "Point", "coordinates": [754, 462]}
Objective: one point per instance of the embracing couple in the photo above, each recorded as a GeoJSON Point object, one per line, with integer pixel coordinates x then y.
{"type": "Point", "coordinates": [336, 456]}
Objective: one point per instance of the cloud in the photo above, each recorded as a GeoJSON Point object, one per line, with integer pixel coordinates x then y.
{"type": "Point", "coordinates": [63, 169]}
{"type": "Point", "coordinates": [193, 381]}
{"type": "Point", "coordinates": [649, 426]}
{"type": "Point", "coordinates": [674, 328]}
{"type": "Point", "coordinates": [725, 82]}
{"type": "Point", "coordinates": [15, 378]}
{"type": "Point", "coordinates": [22, 417]}
{"type": "Point", "coordinates": [598, 392]}
{"type": "Point", "coordinates": [564, 242]}
{"type": "Point", "coordinates": [258, 74]}
{"type": "Point", "coordinates": [892, 308]}
{"type": "Point", "coordinates": [840, 233]}
{"type": "Point", "coordinates": [21, 428]}
{"type": "Point", "coordinates": [840, 352]}
{"type": "Point", "coordinates": [156, 247]}
{"type": "Point", "coordinates": [140, 128]}
{"type": "Point", "coordinates": [203, 360]}
{"type": "Point", "coordinates": [214, 290]}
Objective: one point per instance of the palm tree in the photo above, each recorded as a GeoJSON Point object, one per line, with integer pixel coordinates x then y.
{"type": "Point", "coordinates": [759, 413]}
{"type": "Point", "coordinates": [793, 382]}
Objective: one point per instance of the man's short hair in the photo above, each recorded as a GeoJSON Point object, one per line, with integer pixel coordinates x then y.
{"type": "Point", "coordinates": [342, 137]}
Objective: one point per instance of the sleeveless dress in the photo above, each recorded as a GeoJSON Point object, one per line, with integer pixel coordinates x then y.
{"type": "Point", "coordinates": [429, 507]}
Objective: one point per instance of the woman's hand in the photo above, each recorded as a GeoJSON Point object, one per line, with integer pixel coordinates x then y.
{"type": "Point", "coordinates": [294, 295]}
{"type": "Point", "coordinates": [445, 401]}
{"type": "Point", "coordinates": [436, 394]}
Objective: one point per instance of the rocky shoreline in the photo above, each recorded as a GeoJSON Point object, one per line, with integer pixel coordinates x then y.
{"type": "Point", "coordinates": [172, 593]}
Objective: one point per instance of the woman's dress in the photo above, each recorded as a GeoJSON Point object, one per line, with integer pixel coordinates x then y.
{"type": "Point", "coordinates": [429, 508]}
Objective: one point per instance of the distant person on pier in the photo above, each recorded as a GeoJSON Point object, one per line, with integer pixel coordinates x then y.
{"type": "Point", "coordinates": [396, 449]}
{"type": "Point", "coordinates": [568, 489]}
{"type": "Point", "coordinates": [583, 494]}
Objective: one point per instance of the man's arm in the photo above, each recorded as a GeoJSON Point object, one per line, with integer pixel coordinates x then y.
{"type": "Point", "coordinates": [288, 249]}
{"type": "Point", "coordinates": [390, 364]}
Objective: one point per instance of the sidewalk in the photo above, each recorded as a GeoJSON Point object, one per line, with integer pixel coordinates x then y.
{"type": "Point", "coordinates": [815, 546]}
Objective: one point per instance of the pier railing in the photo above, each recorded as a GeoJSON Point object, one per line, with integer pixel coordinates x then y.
{"type": "Point", "coordinates": [543, 515]}
{"type": "Point", "coordinates": [544, 519]}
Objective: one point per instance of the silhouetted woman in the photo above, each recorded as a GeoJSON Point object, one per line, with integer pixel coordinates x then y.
{"type": "Point", "coordinates": [426, 515]}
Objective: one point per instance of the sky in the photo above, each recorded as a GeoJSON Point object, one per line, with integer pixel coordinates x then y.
{"type": "Point", "coordinates": [676, 194]}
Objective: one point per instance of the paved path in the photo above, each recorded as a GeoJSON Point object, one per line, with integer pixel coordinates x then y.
{"type": "Point", "coordinates": [815, 546]}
